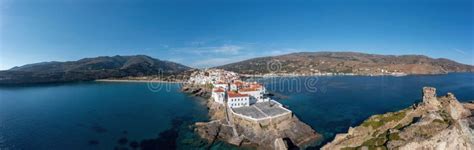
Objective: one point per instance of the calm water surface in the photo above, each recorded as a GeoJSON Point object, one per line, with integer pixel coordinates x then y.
{"type": "Point", "coordinates": [114, 115]}
{"type": "Point", "coordinates": [95, 116]}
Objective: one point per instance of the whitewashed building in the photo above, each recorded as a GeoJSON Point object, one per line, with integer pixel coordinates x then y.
{"type": "Point", "coordinates": [223, 85]}
{"type": "Point", "coordinates": [218, 94]}
{"type": "Point", "coordinates": [255, 92]}
{"type": "Point", "coordinates": [236, 85]}
{"type": "Point", "coordinates": [233, 87]}
{"type": "Point", "coordinates": [235, 99]}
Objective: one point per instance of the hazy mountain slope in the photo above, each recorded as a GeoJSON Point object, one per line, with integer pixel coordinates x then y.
{"type": "Point", "coordinates": [346, 62]}
{"type": "Point", "coordinates": [90, 69]}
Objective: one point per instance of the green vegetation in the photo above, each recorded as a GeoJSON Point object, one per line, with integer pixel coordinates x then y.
{"type": "Point", "coordinates": [399, 126]}
{"type": "Point", "coordinates": [209, 86]}
{"type": "Point", "coordinates": [264, 126]}
{"type": "Point", "coordinates": [440, 121]}
{"type": "Point", "coordinates": [374, 142]}
{"type": "Point", "coordinates": [349, 148]}
{"type": "Point", "coordinates": [379, 120]}
{"type": "Point", "coordinates": [380, 141]}
{"type": "Point", "coordinates": [360, 147]}
{"type": "Point", "coordinates": [447, 119]}
{"type": "Point", "coordinates": [394, 137]}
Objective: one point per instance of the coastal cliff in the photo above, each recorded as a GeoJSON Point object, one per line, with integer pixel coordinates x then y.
{"type": "Point", "coordinates": [435, 123]}
{"type": "Point", "coordinates": [285, 133]}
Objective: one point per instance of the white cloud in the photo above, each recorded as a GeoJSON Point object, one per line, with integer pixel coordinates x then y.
{"type": "Point", "coordinates": [460, 51]}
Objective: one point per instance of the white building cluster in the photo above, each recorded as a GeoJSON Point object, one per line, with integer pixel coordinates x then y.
{"type": "Point", "coordinates": [212, 76]}
{"type": "Point", "coordinates": [242, 100]}
{"type": "Point", "coordinates": [228, 89]}
{"type": "Point", "coordinates": [238, 93]}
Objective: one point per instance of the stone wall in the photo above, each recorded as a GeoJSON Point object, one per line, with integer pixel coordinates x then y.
{"type": "Point", "coordinates": [248, 122]}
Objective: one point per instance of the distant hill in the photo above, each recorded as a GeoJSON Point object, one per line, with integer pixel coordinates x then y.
{"type": "Point", "coordinates": [346, 62]}
{"type": "Point", "coordinates": [90, 69]}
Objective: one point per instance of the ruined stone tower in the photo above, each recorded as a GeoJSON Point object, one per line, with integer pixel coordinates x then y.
{"type": "Point", "coordinates": [429, 97]}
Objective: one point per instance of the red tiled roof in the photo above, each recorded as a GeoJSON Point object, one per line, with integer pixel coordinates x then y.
{"type": "Point", "coordinates": [255, 86]}
{"type": "Point", "coordinates": [219, 90]}
{"type": "Point", "coordinates": [238, 83]}
{"type": "Point", "coordinates": [235, 94]}
{"type": "Point", "coordinates": [248, 89]}
{"type": "Point", "coordinates": [220, 82]}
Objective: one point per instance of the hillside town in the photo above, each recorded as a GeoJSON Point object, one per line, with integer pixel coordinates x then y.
{"type": "Point", "coordinates": [229, 90]}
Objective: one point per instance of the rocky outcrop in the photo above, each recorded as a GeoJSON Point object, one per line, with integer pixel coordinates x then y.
{"type": "Point", "coordinates": [291, 131]}
{"type": "Point", "coordinates": [198, 91]}
{"type": "Point", "coordinates": [279, 144]}
{"type": "Point", "coordinates": [435, 123]}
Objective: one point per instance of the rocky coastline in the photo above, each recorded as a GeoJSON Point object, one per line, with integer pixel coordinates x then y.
{"type": "Point", "coordinates": [197, 91]}
{"type": "Point", "coordinates": [435, 123]}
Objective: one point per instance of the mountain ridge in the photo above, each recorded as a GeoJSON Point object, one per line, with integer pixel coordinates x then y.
{"type": "Point", "coordinates": [308, 63]}
{"type": "Point", "coordinates": [90, 69]}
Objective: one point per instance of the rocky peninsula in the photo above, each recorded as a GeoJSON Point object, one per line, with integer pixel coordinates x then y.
{"type": "Point", "coordinates": [435, 123]}
{"type": "Point", "coordinates": [276, 134]}
{"type": "Point", "coordinates": [265, 124]}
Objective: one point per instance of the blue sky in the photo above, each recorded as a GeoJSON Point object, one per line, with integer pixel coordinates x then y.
{"type": "Point", "coordinates": [210, 33]}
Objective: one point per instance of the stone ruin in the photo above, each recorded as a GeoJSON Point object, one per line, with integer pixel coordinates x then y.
{"type": "Point", "coordinates": [429, 97]}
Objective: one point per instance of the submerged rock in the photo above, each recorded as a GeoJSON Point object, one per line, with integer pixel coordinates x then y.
{"type": "Point", "coordinates": [435, 123]}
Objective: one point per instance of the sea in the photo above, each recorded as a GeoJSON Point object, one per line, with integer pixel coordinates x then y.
{"type": "Point", "coordinates": [115, 115]}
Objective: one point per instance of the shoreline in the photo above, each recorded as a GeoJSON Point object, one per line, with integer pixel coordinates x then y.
{"type": "Point", "coordinates": [136, 81]}
{"type": "Point", "coordinates": [330, 75]}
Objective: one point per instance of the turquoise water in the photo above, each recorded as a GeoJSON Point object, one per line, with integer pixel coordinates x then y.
{"type": "Point", "coordinates": [94, 115]}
